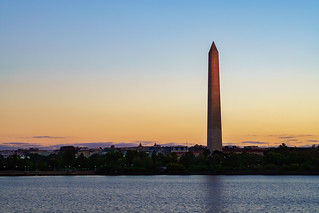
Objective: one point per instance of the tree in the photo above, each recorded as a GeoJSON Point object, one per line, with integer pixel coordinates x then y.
{"type": "Point", "coordinates": [1, 162]}
{"type": "Point", "coordinates": [154, 157]}
{"type": "Point", "coordinates": [187, 159]}
{"type": "Point", "coordinates": [170, 158]}
{"type": "Point", "coordinates": [175, 167]}
{"type": "Point", "coordinates": [54, 162]}
{"type": "Point", "coordinates": [81, 162]}
{"type": "Point", "coordinates": [283, 146]}
{"type": "Point", "coordinates": [68, 157]}
{"type": "Point", "coordinates": [130, 155]}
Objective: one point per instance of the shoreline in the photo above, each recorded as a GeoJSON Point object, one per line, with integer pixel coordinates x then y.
{"type": "Point", "coordinates": [85, 173]}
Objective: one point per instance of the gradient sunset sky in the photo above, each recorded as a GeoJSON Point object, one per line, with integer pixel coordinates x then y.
{"type": "Point", "coordinates": [132, 71]}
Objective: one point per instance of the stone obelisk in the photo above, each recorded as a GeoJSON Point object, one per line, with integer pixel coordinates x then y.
{"type": "Point", "coordinates": [214, 130]}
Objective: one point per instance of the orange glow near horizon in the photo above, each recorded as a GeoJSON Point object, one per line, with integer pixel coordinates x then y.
{"type": "Point", "coordinates": [139, 116]}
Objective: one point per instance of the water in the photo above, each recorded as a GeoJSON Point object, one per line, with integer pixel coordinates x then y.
{"type": "Point", "coordinates": [160, 194]}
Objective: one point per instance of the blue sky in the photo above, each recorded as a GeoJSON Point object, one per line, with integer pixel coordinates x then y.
{"type": "Point", "coordinates": [81, 59]}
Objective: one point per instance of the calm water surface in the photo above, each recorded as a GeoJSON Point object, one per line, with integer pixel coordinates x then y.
{"type": "Point", "coordinates": [160, 194]}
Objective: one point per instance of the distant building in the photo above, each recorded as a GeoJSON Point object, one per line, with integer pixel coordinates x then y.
{"type": "Point", "coordinates": [38, 152]}
{"type": "Point", "coordinates": [156, 149]}
{"type": "Point", "coordinates": [95, 151]}
{"type": "Point", "coordinates": [248, 149]}
{"type": "Point", "coordinates": [84, 151]}
{"type": "Point", "coordinates": [251, 147]}
{"type": "Point", "coordinates": [7, 153]}
{"type": "Point", "coordinates": [107, 150]}
{"type": "Point", "coordinates": [197, 149]}
{"type": "Point", "coordinates": [179, 150]}
{"type": "Point", "coordinates": [67, 148]}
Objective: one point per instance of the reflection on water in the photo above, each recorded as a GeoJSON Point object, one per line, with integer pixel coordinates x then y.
{"type": "Point", "coordinates": [264, 193]}
{"type": "Point", "coordinates": [160, 194]}
{"type": "Point", "coordinates": [214, 192]}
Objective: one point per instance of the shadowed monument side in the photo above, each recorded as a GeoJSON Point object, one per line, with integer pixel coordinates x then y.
{"type": "Point", "coordinates": [214, 131]}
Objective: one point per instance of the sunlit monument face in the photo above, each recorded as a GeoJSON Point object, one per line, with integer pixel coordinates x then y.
{"type": "Point", "coordinates": [214, 131]}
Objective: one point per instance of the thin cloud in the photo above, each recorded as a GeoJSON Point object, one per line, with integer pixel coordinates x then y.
{"type": "Point", "coordinates": [18, 145]}
{"type": "Point", "coordinates": [150, 143]}
{"type": "Point", "coordinates": [145, 142]}
{"type": "Point", "coordinates": [21, 144]}
{"type": "Point", "coordinates": [313, 141]}
{"type": "Point", "coordinates": [230, 144]}
{"type": "Point", "coordinates": [15, 143]}
{"type": "Point", "coordinates": [85, 144]}
{"type": "Point", "coordinates": [291, 140]}
{"type": "Point", "coordinates": [309, 145]}
{"type": "Point", "coordinates": [3, 147]}
{"type": "Point", "coordinates": [286, 137]}
{"type": "Point", "coordinates": [291, 135]}
{"type": "Point", "coordinates": [99, 144]}
{"type": "Point", "coordinates": [46, 136]}
{"type": "Point", "coordinates": [254, 142]}
{"type": "Point", "coordinates": [172, 144]}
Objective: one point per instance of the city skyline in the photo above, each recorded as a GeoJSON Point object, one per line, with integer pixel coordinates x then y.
{"type": "Point", "coordinates": [78, 72]}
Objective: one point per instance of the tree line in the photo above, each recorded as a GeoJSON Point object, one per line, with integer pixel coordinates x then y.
{"type": "Point", "coordinates": [282, 158]}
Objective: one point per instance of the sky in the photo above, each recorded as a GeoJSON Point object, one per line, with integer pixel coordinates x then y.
{"type": "Point", "coordinates": [130, 72]}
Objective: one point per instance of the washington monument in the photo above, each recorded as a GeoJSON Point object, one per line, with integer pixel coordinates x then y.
{"type": "Point", "coordinates": [214, 130]}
